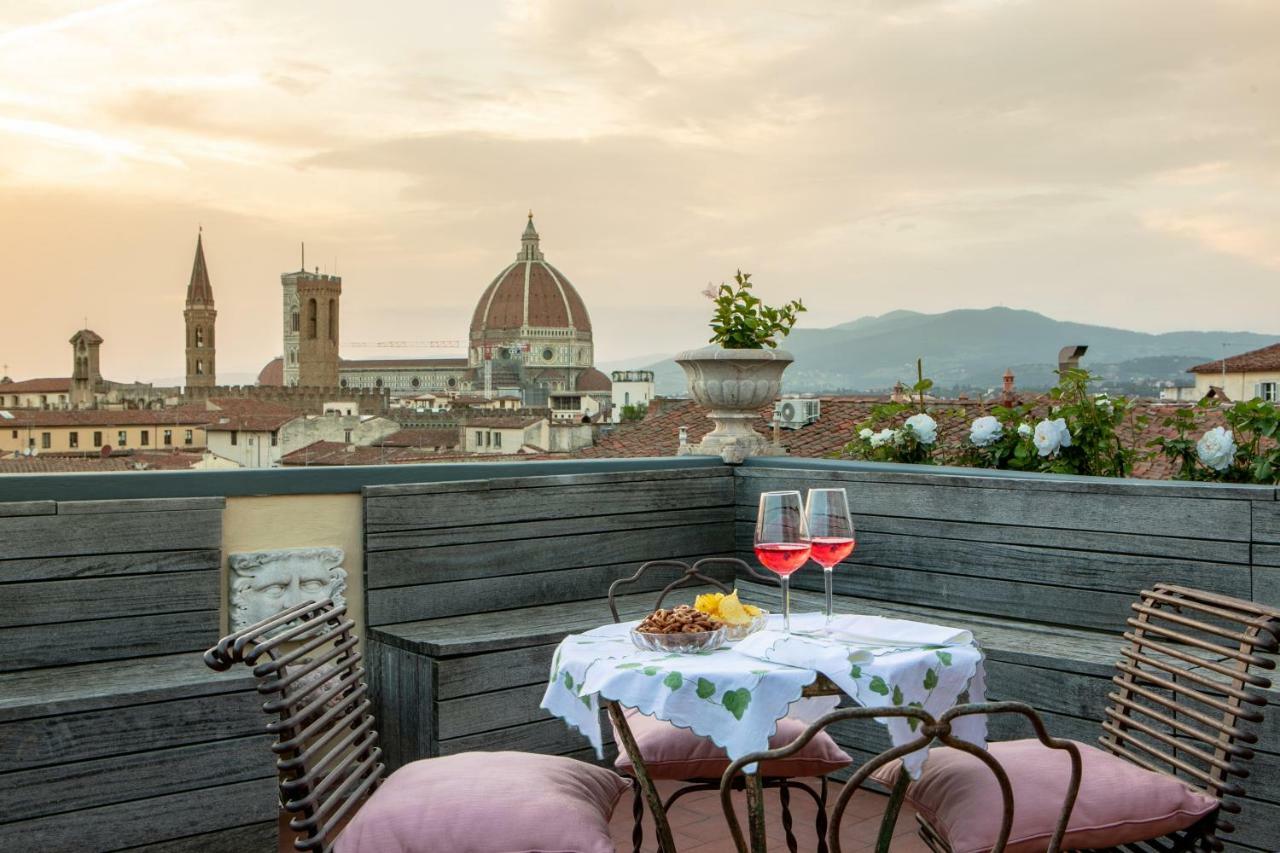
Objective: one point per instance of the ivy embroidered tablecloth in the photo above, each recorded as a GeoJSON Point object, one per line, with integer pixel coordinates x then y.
{"type": "Point", "coordinates": [736, 694]}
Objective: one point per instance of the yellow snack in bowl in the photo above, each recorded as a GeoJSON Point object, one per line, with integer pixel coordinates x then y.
{"type": "Point", "coordinates": [732, 612]}
{"type": "Point", "coordinates": [708, 603]}
{"type": "Point", "coordinates": [752, 610]}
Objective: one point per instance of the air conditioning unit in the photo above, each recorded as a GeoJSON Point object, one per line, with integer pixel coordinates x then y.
{"type": "Point", "coordinates": [795, 412]}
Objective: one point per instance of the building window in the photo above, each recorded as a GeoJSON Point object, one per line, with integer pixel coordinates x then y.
{"type": "Point", "coordinates": [235, 438]}
{"type": "Point", "coordinates": [199, 367]}
{"type": "Point", "coordinates": [342, 382]}
{"type": "Point", "coordinates": [346, 436]}
{"type": "Point", "coordinates": [377, 383]}
{"type": "Point", "coordinates": [122, 438]}
{"type": "Point", "coordinates": [275, 439]}
{"type": "Point", "coordinates": [497, 439]}
{"type": "Point", "coordinates": [333, 320]}
{"type": "Point", "coordinates": [15, 433]}
{"type": "Point", "coordinates": [97, 439]}
{"type": "Point", "coordinates": [295, 322]}
{"type": "Point", "coordinates": [73, 439]}
{"type": "Point", "coordinates": [311, 318]}
{"type": "Point", "coordinates": [1267, 391]}
{"type": "Point", "coordinates": [145, 438]}
{"type": "Point", "coordinates": [415, 382]}
{"type": "Point", "coordinates": [168, 438]}
{"type": "Point", "coordinates": [46, 440]}
{"type": "Point", "coordinates": [188, 438]}
{"type": "Point", "coordinates": [479, 439]}
{"type": "Point", "coordinates": [199, 336]}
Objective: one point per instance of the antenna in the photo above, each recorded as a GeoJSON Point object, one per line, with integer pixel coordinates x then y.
{"type": "Point", "coordinates": [304, 258]}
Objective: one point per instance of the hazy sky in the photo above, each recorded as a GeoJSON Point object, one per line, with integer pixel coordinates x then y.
{"type": "Point", "coordinates": [1108, 161]}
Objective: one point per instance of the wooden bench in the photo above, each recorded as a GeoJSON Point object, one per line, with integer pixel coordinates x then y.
{"type": "Point", "coordinates": [471, 584]}
{"type": "Point", "coordinates": [113, 733]}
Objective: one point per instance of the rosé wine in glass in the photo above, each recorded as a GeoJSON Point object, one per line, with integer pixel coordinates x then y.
{"type": "Point", "coordinates": [782, 541]}
{"type": "Point", "coordinates": [827, 514]}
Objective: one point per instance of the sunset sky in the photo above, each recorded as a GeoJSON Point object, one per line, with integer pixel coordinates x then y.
{"type": "Point", "coordinates": [1105, 161]}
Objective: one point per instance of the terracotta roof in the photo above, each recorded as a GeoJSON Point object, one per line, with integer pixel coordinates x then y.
{"type": "Point", "coordinates": [659, 433]}
{"type": "Point", "coordinates": [529, 292]}
{"type": "Point", "coordinates": [1267, 358]}
{"type": "Point", "coordinates": [199, 291]}
{"type": "Point", "coordinates": [421, 438]}
{"type": "Point", "coordinates": [594, 380]}
{"type": "Point", "coordinates": [337, 453]}
{"type": "Point", "coordinates": [129, 460]}
{"type": "Point", "coordinates": [233, 414]}
{"type": "Point", "coordinates": [508, 422]}
{"type": "Point", "coordinates": [185, 415]}
{"type": "Point", "coordinates": [52, 385]}
{"type": "Point", "coordinates": [398, 363]}
{"type": "Point", "coordinates": [272, 373]}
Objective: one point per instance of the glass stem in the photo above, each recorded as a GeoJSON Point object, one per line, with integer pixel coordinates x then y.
{"type": "Point", "coordinates": [826, 576]}
{"type": "Point", "coordinates": [786, 604]}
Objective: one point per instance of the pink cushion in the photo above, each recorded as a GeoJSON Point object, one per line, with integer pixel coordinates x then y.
{"type": "Point", "coordinates": [488, 802]}
{"type": "Point", "coordinates": [671, 752]}
{"type": "Point", "coordinates": [1118, 802]}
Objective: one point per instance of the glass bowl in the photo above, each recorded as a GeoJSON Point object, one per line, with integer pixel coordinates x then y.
{"type": "Point", "coordinates": [700, 641]}
{"type": "Point", "coordinates": [733, 633]}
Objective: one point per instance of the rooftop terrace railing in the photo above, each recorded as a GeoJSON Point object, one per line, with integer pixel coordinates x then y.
{"type": "Point", "coordinates": [463, 576]}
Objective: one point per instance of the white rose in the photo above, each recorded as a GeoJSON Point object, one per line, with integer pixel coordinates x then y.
{"type": "Point", "coordinates": [1217, 448]}
{"type": "Point", "coordinates": [985, 431]}
{"type": "Point", "coordinates": [1024, 430]}
{"type": "Point", "coordinates": [1051, 436]}
{"type": "Point", "coordinates": [865, 433]}
{"type": "Point", "coordinates": [1103, 402]}
{"type": "Point", "coordinates": [884, 436]}
{"type": "Point", "coordinates": [924, 427]}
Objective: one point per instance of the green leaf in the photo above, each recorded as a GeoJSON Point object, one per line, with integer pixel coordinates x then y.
{"type": "Point", "coordinates": [878, 686]}
{"type": "Point", "coordinates": [897, 695]}
{"type": "Point", "coordinates": [945, 657]}
{"type": "Point", "coordinates": [855, 671]}
{"type": "Point", "coordinates": [675, 679]}
{"type": "Point", "coordinates": [586, 700]}
{"type": "Point", "coordinates": [705, 688]}
{"type": "Point", "coordinates": [736, 702]}
{"type": "Point", "coordinates": [632, 665]}
{"type": "Point", "coordinates": [651, 670]}
{"type": "Point", "coordinates": [930, 679]}
{"type": "Point", "coordinates": [568, 681]}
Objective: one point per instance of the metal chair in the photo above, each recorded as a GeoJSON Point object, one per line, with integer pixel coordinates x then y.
{"type": "Point", "coordinates": [1183, 703]}
{"type": "Point", "coordinates": [929, 730]}
{"type": "Point", "coordinates": [692, 574]}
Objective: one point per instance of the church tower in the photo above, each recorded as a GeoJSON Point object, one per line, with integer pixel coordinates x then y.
{"type": "Point", "coordinates": [86, 376]}
{"type": "Point", "coordinates": [318, 298]}
{"type": "Point", "coordinates": [200, 316]}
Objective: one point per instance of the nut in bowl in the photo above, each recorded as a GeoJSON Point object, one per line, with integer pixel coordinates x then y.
{"type": "Point", "coordinates": [682, 629]}
{"type": "Point", "coordinates": [739, 620]}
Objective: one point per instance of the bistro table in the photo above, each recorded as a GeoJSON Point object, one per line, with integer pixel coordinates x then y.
{"type": "Point", "coordinates": [736, 694]}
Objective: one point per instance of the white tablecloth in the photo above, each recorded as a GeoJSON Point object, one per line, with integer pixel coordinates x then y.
{"type": "Point", "coordinates": [736, 694]}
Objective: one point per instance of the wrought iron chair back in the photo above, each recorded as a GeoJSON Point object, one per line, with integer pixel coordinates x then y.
{"type": "Point", "coordinates": [306, 662]}
{"type": "Point", "coordinates": [930, 729]}
{"type": "Point", "coordinates": [690, 575]}
{"type": "Point", "coordinates": [1183, 706]}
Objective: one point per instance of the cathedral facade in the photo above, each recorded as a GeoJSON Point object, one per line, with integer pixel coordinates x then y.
{"type": "Point", "coordinates": [530, 336]}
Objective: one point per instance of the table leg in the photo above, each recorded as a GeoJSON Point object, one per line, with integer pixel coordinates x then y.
{"type": "Point", "coordinates": [891, 810]}
{"type": "Point", "coordinates": [755, 810]}
{"type": "Point", "coordinates": [666, 843]}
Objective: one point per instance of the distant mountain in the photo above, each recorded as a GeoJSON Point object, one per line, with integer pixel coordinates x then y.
{"type": "Point", "coordinates": [969, 350]}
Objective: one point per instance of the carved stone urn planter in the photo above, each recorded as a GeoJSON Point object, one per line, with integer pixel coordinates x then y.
{"type": "Point", "coordinates": [733, 384]}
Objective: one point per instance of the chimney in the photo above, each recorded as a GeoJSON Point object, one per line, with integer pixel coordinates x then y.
{"type": "Point", "coordinates": [1007, 396]}
{"type": "Point", "coordinates": [1069, 357]}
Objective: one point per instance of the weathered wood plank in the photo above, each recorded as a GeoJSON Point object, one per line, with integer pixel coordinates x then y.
{"type": "Point", "coordinates": [39, 741]}
{"type": "Point", "coordinates": [1266, 522]}
{"type": "Point", "coordinates": [108, 565]}
{"type": "Point", "coordinates": [551, 737]}
{"type": "Point", "coordinates": [1062, 567]}
{"type": "Point", "coordinates": [16, 508]}
{"type": "Point", "coordinates": [400, 682]}
{"type": "Point", "coordinates": [35, 646]}
{"type": "Point", "coordinates": [547, 528]}
{"type": "Point", "coordinates": [69, 600]}
{"type": "Point", "coordinates": [49, 536]}
{"type": "Point", "coordinates": [463, 676]}
{"type": "Point", "coordinates": [1157, 544]}
{"type": "Point", "coordinates": [432, 601]}
{"type": "Point", "coordinates": [262, 837]}
{"type": "Point", "coordinates": [1191, 517]}
{"type": "Point", "coordinates": [131, 505]}
{"type": "Point", "coordinates": [484, 712]}
{"type": "Point", "coordinates": [95, 686]}
{"type": "Point", "coordinates": [123, 825]}
{"type": "Point", "coordinates": [517, 559]}
{"type": "Point", "coordinates": [86, 784]}
{"type": "Point", "coordinates": [501, 505]}
{"type": "Point", "coordinates": [380, 492]}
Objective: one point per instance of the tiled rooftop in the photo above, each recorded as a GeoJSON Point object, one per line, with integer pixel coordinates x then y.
{"type": "Point", "coordinates": [1266, 358]}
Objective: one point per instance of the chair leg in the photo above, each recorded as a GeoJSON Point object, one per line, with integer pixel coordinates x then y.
{"type": "Point", "coordinates": [784, 797]}
{"type": "Point", "coordinates": [822, 817]}
{"type": "Point", "coordinates": [637, 812]}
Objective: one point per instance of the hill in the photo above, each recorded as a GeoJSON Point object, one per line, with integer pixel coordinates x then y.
{"type": "Point", "coordinates": [969, 350]}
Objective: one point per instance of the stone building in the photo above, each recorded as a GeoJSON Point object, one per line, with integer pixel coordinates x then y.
{"type": "Point", "coordinates": [200, 317]}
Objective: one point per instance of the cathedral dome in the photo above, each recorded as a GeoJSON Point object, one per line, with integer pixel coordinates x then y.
{"type": "Point", "coordinates": [527, 297]}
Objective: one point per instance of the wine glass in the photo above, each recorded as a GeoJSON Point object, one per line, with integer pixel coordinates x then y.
{"type": "Point", "coordinates": [782, 541]}
{"type": "Point", "coordinates": [831, 529]}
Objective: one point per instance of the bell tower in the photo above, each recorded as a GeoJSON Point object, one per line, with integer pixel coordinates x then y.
{"type": "Point", "coordinates": [319, 299]}
{"type": "Point", "coordinates": [86, 377]}
{"type": "Point", "coordinates": [200, 316]}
